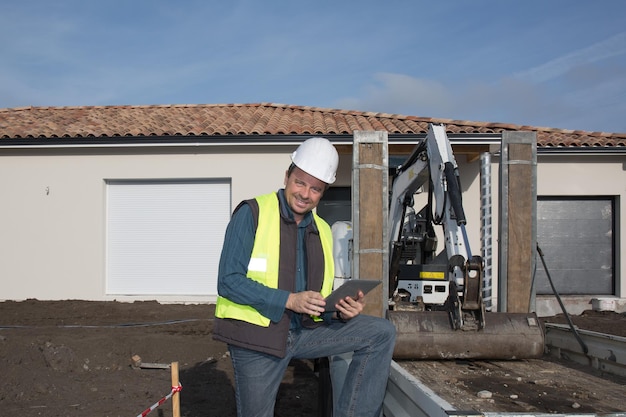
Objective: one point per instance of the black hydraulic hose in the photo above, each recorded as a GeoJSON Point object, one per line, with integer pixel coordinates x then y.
{"type": "Point", "coordinates": [454, 190]}
{"type": "Point", "coordinates": [558, 297]}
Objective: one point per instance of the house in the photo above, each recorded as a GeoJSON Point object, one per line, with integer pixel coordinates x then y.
{"type": "Point", "coordinates": [131, 202]}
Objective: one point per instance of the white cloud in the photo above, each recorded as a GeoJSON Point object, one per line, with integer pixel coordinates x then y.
{"type": "Point", "coordinates": [608, 48]}
{"type": "Point", "coordinates": [397, 92]}
{"type": "Point", "coordinates": [507, 100]}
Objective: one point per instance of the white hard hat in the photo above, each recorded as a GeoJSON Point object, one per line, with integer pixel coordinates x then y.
{"type": "Point", "coordinates": [317, 157]}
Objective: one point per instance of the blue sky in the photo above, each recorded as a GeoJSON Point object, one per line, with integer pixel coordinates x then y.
{"type": "Point", "coordinates": [550, 63]}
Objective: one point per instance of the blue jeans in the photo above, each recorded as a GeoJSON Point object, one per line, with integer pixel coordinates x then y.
{"type": "Point", "coordinates": [371, 339]}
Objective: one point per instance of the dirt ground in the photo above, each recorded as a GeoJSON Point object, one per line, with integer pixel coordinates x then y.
{"type": "Point", "coordinates": [75, 358]}
{"type": "Point", "coordinates": [598, 321]}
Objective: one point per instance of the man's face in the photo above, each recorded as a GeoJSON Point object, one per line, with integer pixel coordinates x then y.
{"type": "Point", "coordinates": [302, 192]}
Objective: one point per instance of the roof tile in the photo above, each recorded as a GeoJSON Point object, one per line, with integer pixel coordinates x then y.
{"type": "Point", "coordinates": [254, 119]}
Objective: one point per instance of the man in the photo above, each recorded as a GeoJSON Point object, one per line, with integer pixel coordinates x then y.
{"type": "Point", "coordinates": [275, 270]}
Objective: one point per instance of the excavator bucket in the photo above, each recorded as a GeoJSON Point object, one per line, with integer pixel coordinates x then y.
{"type": "Point", "coordinates": [429, 335]}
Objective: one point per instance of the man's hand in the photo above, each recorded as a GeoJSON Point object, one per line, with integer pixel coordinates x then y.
{"type": "Point", "coordinates": [308, 302]}
{"type": "Point", "coordinates": [348, 308]}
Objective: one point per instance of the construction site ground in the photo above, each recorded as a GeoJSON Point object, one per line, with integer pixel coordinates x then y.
{"type": "Point", "coordinates": [526, 386]}
{"type": "Point", "coordinates": [75, 358]}
{"type": "Point", "coordinates": [531, 386]}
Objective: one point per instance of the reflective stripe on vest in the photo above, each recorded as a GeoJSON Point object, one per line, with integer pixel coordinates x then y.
{"type": "Point", "coordinates": [264, 260]}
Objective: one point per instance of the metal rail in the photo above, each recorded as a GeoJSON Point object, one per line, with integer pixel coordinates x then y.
{"type": "Point", "coordinates": [407, 396]}
{"type": "Point", "coordinates": [606, 352]}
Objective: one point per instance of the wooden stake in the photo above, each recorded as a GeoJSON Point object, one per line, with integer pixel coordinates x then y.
{"type": "Point", "coordinates": [176, 395]}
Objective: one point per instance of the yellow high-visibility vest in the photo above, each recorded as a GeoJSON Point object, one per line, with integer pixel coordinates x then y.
{"type": "Point", "coordinates": [264, 261]}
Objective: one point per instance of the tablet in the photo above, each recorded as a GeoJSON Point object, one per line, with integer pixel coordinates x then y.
{"type": "Point", "coordinates": [350, 288]}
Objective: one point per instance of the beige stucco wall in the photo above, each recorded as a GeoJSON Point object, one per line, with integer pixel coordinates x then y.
{"type": "Point", "coordinates": [52, 212]}
{"type": "Point", "coordinates": [52, 215]}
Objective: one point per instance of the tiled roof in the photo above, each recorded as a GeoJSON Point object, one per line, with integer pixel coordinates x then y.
{"type": "Point", "coordinates": [253, 119]}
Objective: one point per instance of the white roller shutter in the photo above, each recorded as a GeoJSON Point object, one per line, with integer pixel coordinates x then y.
{"type": "Point", "coordinates": [165, 237]}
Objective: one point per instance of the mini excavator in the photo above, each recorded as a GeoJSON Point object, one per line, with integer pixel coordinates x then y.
{"type": "Point", "coordinates": [436, 299]}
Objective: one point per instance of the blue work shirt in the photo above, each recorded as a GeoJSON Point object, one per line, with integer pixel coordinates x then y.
{"type": "Point", "coordinates": [233, 282]}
